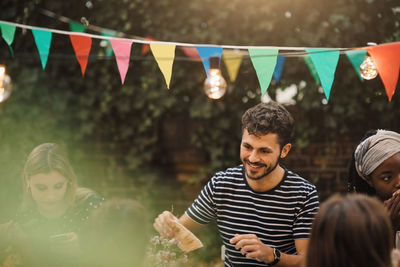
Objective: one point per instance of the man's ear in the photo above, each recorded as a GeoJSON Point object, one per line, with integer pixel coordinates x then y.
{"type": "Point", "coordinates": [285, 150]}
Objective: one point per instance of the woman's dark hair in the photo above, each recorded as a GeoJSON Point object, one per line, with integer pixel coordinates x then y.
{"type": "Point", "coordinates": [351, 231]}
{"type": "Point", "coordinates": [355, 182]}
{"type": "Point", "coordinates": [266, 118]}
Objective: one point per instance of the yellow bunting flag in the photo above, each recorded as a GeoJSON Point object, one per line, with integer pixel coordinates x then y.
{"type": "Point", "coordinates": [232, 59]}
{"type": "Point", "coordinates": [164, 55]}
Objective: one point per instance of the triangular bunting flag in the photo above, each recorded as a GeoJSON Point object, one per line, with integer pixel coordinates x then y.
{"type": "Point", "coordinates": [146, 47]}
{"type": "Point", "coordinates": [122, 51]}
{"type": "Point", "coordinates": [356, 57]}
{"type": "Point", "coordinates": [190, 51]}
{"type": "Point", "coordinates": [311, 68]}
{"type": "Point", "coordinates": [82, 45]}
{"type": "Point", "coordinates": [43, 42]}
{"type": "Point", "coordinates": [280, 61]}
{"type": "Point", "coordinates": [76, 27]}
{"type": "Point", "coordinates": [8, 33]}
{"type": "Point", "coordinates": [325, 61]}
{"type": "Point", "coordinates": [387, 61]}
{"type": "Point", "coordinates": [108, 48]}
{"type": "Point", "coordinates": [232, 60]}
{"type": "Point", "coordinates": [206, 52]}
{"type": "Point", "coordinates": [164, 55]}
{"type": "Point", "coordinates": [264, 61]}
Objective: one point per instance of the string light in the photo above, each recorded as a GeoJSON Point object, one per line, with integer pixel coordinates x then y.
{"type": "Point", "coordinates": [368, 69]}
{"type": "Point", "coordinates": [215, 84]}
{"type": "Point", "coordinates": [5, 84]}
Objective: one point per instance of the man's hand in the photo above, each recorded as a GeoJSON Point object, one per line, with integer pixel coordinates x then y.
{"type": "Point", "coordinates": [252, 247]}
{"type": "Point", "coordinates": [164, 224]}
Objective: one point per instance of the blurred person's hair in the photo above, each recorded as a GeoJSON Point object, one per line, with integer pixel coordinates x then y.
{"type": "Point", "coordinates": [351, 231]}
{"type": "Point", "coordinates": [118, 233]}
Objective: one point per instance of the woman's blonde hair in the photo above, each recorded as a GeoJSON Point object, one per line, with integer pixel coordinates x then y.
{"type": "Point", "coordinates": [46, 158]}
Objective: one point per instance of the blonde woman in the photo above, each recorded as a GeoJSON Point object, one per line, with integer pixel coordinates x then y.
{"type": "Point", "coordinates": [53, 213]}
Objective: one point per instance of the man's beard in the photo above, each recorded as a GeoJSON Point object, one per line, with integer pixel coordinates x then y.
{"type": "Point", "coordinates": [268, 171]}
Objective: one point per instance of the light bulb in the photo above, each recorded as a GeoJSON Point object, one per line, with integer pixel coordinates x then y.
{"type": "Point", "coordinates": [215, 84]}
{"type": "Point", "coordinates": [368, 69]}
{"type": "Point", "coordinates": [5, 84]}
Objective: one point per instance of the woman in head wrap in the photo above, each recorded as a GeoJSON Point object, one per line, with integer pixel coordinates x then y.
{"type": "Point", "coordinates": [375, 170]}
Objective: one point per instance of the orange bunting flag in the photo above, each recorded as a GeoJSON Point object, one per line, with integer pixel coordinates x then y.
{"type": "Point", "coordinates": [82, 45]}
{"type": "Point", "coordinates": [387, 61]}
{"type": "Point", "coordinates": [122, 51]}
{"type": "Point", "coordinates": [146, 47]}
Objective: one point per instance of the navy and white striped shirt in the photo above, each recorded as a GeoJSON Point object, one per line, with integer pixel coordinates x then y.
{"type": "Point", "coordinates": [278, 216]}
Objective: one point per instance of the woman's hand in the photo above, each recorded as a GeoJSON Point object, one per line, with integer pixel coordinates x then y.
{"type": "Point", "coordinates": [67, 242]}
{"type": "Point", "coordinates": [393, 207]}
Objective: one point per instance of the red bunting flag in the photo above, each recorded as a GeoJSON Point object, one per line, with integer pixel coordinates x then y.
{"type": "Point", "coordinates": [190, 51]}
{"type": "Point", "coordinates": [82, 45]}
{"type": "Point", "coordinates": [387, 61]}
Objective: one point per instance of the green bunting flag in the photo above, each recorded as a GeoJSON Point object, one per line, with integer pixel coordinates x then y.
{"type": "Point", "coordinates": [43, 42]}
{"type": "Point", "coordinates": [264, 61]}
{"type": "Point", "coordinates": [356, 57]}
{"type": "Point", "coordinates": [76, 27]}
{"type": "Point", "coordinates": [311, 68]}
{"type": "Point", "coordinates": [108, 47]}
{"type": "Point", "coordinates": [8, 33]}
{"type": "Point", "coordinates": [325, 61]}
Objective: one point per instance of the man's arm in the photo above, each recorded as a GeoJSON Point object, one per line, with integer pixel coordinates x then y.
{"type": "Point", "coordinates": [251, 246]}
{"type": "Point", "coordinates": [189, 223]}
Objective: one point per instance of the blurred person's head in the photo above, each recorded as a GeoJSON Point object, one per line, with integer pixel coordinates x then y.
{"type": "Point", "coordinates": [375, 165]}
{"type": "Point", "coordinates": [352, 231]}
{"type": "Point", "coordinates": [49, 182]}
{"type": "Point", "coordinates": [118, 233]}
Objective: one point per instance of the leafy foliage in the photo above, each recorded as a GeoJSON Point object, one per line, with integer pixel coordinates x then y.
{"type": "Point", "coordinates": [124, 126]}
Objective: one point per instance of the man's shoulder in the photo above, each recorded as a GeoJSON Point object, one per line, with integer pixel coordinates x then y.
{"type": "Point", "coordinates": [295, 179]}
{"type": "Point", "coordinates": [230, 173]}
{"type": "Point", "coordinates": [236, 171]}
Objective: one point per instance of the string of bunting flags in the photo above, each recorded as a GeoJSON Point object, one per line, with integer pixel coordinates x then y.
{"type": "Point", "coordinates": [268, 61]}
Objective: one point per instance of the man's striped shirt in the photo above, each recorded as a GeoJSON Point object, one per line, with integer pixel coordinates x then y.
{"type": "Point", "coordinates": [278, 216]}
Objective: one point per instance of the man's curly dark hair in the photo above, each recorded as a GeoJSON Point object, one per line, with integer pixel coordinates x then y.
{"type": "Point", "coordinates": [266, 118]}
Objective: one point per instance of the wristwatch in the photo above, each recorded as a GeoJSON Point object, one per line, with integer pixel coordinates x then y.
{"type": "Point", "coordinates": [277, 258]}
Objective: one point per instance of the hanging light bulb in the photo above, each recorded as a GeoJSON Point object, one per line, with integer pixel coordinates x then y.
{"type": "Point", "coordinates": [215, 84]}
{"type": "Point", "coordinates": [5, 84]}
{"type": "Point", "coordinates": [368, 69]}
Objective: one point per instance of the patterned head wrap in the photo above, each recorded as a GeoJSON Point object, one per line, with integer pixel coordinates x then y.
{"type": "Point", "coordinates": [374, 150]}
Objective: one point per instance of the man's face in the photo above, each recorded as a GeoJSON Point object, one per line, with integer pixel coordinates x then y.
{"type": "Point", "coordinates": [386, 178]}
{"type": "Point", "coordinates": [260, 154]}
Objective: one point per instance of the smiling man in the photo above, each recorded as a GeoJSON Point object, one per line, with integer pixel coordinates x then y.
{"type": "Point", "coordinates": [263, 211]}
